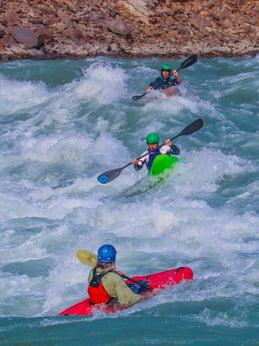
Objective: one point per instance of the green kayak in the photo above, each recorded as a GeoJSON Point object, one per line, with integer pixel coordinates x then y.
{"type": "Point", "coordinates": [162, 163]}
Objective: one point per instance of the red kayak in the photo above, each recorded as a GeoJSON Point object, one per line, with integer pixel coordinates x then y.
{"type": "Point", "coordinates": [155, 281]}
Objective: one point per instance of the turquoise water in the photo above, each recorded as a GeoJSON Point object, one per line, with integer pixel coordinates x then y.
{"type": "Point", "coordinates": [65, 122]}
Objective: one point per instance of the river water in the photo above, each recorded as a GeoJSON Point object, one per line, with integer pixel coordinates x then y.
{"type": "Point", "coordinates": [65, 122]}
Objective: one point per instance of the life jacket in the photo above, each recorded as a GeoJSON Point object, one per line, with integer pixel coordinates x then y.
{"type": "Point", "coordinates": [163, 83]}
{"type": "Point", "coordinates": [152, 155]}
{"type": "Point", "coordinates": [96, 291]}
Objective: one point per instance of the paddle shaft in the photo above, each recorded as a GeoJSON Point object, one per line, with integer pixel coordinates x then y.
{"type": "Point", "coordinates": [184, 132]}
{"type": "Point", "coordinates": [137, 97]}
{"type": "Point", "coordinates": [90, 259]}
{"type": "Point", "coordinates": [136, 282]}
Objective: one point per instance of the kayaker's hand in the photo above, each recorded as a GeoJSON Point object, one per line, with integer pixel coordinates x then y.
{"type": "Point", "coordinates": [177, 77]}
{"type": "Point", "coordinates": [134, 161]}
{"type": "Point", "coordinates": [149, 88]}
{"type": "Point", "coordinates": [175, 73]}
{"type": "Point", "coordinates": [168, 142]}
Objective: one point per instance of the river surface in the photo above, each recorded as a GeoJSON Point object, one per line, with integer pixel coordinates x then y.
{"type": "Point", "coordinates": [65, 122]}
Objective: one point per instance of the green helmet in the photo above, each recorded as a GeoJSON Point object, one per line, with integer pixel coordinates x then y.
{"type": "Point", "coordinates": [166, 68]}
{"type": "Point", "coordinates": [152, 138]}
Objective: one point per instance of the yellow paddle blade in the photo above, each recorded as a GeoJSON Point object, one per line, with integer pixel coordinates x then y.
{"type": "Point", "coordinates": [86, 257]}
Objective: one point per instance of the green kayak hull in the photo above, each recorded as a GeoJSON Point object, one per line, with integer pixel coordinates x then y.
{"type": "Point", "coordinates": [162, 163]}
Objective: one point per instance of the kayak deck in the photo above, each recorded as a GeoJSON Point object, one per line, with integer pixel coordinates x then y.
{"type": "Point", "coordinates": [162, 163]}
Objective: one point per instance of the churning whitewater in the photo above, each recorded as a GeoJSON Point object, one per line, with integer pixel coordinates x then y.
{"type": "Point", "coordinates": [63, 123]}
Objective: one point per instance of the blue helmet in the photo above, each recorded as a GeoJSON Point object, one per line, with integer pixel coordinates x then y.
{"type": "Point", "coordinates": [107, 253]}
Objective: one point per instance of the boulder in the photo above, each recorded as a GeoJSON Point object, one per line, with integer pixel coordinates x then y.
{"type": "Point", "coordinates": [11, 18]}
{"type": "Point", "coordinates": [118, 27]}
{"type": "Point", "coordinates": [70, 5]}
{"type": "Point", "coordinates": [136, 8]}
{"type": "Point", "coordinates": [27, 37]}
{"type": "Point", "coordinates": [64, 17]}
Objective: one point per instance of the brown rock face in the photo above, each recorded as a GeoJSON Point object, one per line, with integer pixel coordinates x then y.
{"type": "Point", "coordinates": [29, 39]}
{"type": "Point", "coordinates": [49, 29]}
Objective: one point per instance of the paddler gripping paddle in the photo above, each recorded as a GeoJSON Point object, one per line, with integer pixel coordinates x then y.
{"type": "Point", "coordinates": [108, 176]}
{"type": "Point", "coordinates": [89, 258]}
{"type": "Point", "coordinates": [186, 63]}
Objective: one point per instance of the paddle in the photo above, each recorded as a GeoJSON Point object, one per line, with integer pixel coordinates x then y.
{"type": "Point", "coordinates": [90, 259]}
{"type": "Point", "coordinates": [108, 176]}
{"type": "Point", "coordinates": [186, 63]}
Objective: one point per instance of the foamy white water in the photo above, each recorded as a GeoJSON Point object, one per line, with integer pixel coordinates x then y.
{"type": "Point", "coordinates": [62, 124]}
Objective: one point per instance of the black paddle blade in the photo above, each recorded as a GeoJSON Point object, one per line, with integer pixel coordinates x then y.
{"type": "Point", "coordinates": [137, 97]}
{"type": "Point", "coordinates": [188, 62]}
{"type": "Point", "coordinates": [108, 176]}
{"type": "Point", "coordinates": [193, 127]}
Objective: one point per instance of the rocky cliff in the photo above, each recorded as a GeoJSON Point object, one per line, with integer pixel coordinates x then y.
{"type": "Point", "coordinates": [51, 29]}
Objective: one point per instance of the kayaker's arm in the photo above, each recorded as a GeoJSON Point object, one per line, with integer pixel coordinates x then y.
{"type": "Point", "coordinates": [169, 148]}
{"type": "Point", "coordinates": [154, 84]}
{"type": "Point", "coordinates": [138, 164]}
{"type": "Point", "coordinates": [165, 83]}
{"type": "Point", "coordinates": [118, 289]}
{"type": "Point", "coordinates": [177, 77]}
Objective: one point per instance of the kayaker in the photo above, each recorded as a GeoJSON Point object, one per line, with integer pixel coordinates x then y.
{"type": "Point", "coordinates": [106, 286]}
{"type": "Point", "coordinates": [153, 150]}
{"type": "Point", "coordinates": [165, 81]}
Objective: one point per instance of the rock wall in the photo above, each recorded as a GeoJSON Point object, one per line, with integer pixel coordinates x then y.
{"type": "Point", "coordinates": [55, 29]}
